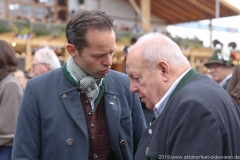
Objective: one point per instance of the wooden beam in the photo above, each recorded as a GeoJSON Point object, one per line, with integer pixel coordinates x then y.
{"type": "Point", "coordinates": [204, 6]}
{"type": "Point", "coordinates": [173, 12]}
{"type": "Point", "coordinates": [145, 11]}
{"type": "Point", "coordinates": [163, 11]}
{"type": "Point", "coordinates": [224, 10]}
{"type": "Point", "coordinates": [28, 58]}
{"type": "Point", "coordinates": [163, 14]}
{"type": "Point", "coordinates": [187, 9]}
{"type": "Point", "coordinates": [135, 6]}
{"type": "Point", "coordinates": [146, 14]}
{"type": "Point", "coordinates": [170, 6]}
{"type": "Point", "coordinates": [230, 6]}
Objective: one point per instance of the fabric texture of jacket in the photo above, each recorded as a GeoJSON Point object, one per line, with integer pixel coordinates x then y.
{"type": "Point", "coordinates": [52, 125]}
{"type": "Point", "coordinates": [200, 120]}
{"type": "Point", "coordinates": [234, 85]}
{"type": "Point", "coordinates": [10, 97]}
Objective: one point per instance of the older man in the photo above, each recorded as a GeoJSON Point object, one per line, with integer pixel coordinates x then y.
{"type": "Point", "coordinates": [195, 117]}
{"type": "Point", "coordinates": [221, 64]}
{"type": "Point", "coordinates": [44, 60]}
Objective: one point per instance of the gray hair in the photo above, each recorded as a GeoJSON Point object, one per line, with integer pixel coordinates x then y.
{"type": "Point", "coordinates": [155, 46]}
{"type": "Point", "coordinates": [47, 55]}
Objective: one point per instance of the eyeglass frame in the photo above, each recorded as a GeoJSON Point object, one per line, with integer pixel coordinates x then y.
{"type": "Point", "coordinates": [34, 65]}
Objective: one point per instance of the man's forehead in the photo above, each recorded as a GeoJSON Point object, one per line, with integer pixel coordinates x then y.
{"type": "Point", "coordinates": [135, 66]}
{"type": "Point", "coordinates": [132, 61]}
{"type": "Point", "coordinates": [134, 53]}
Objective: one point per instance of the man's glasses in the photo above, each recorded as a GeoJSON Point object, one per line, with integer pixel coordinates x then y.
{"type": "Point", "coordinates": [34, 65]}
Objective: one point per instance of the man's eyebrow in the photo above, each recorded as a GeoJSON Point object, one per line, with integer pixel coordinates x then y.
{"type": "Point", "coordinates": [113, 50]}
{"type": "Point", "coordinates": [103, 53]}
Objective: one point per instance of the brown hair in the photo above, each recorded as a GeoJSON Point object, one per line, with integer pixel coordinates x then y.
{"type": "Point", "coordinates": [83, 20]}
{"type": "Point", "coordinates": [7, 57]}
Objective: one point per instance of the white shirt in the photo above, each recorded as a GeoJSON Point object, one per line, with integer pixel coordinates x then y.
{"type": "Point", "coordinates": [225, 79]}
{"type": "Point", "coordinates": [161, 104]}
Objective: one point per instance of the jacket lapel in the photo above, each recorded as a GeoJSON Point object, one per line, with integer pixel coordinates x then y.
{"type": "Point", "coordinates": [185, 80]}
{"type": "Point", "coordinates": [113, 113]}
{"type": "Point", "coordinates": [73, 105]}
{"type": "Point", "coordinates": [190, 75]}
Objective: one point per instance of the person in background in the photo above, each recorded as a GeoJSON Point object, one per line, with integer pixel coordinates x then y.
{"type": "Point", "coordinates": [21, 77]}
{"type": "Point", "coordinates": [124, 48]}
{"type": "Point", "coordinates": [194, 115]}
{"type": "Point", "coordinates": [89, 112]}
{"type": "Point", "coordinates": [234, 85]}
{"type": "Point", "coordinates": [221, 64]}
{"type": "Point", "coordinates": [44, 60]}
{"type": "Point", "coordinates": [10, 97]}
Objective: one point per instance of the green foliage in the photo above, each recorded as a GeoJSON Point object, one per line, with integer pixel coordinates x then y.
{"type": "Point", "coordinates": [24, 31]}
{"type": "Point", "coordinates": [40, 32]}
{"type": "Point", "coordinates": [4, 28]}
{"type": "Point", "coordinates": [191, 43]}
{"type": "Point", "coordinates": [59, 34]}
{"type": "Point", "coordinates": [15, 29]}
{"type": "Point", "coordinates": [124, 39]}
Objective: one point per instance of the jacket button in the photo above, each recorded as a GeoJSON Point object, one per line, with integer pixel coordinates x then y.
{"type": "Point", "coordinates": [150, 131]}
{"type": "Point", "coordinates": [123, 143]}
{"type": "Point", "coordinates": [95, 156]}
{"type": "Point", "coordinates": [70, 142]}
{"type": "Point", "coordinates": [115, 97]}
{"type": "Point", "coordinates": [64, 95]}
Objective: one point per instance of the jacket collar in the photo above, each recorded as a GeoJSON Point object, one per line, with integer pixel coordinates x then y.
{"type": "Point", "coordinates": [189, 76]}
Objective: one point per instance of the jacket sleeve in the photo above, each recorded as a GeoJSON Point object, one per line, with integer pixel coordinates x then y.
{"type": "Point", "coordinates": [27, 139]}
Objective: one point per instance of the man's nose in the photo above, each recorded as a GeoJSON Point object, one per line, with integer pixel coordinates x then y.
{"type": "Point", "coordinates": [108, 60]}
{"type": "Point", "coordinates": [133, 88]}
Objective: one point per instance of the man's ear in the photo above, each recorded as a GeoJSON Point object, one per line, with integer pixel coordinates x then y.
{"type": "Point", "coordinates": [164, 68]}
{"type": "Point", "coordinates": [72, 50]}
{"type": "Point", "coordinates": [48, 67]}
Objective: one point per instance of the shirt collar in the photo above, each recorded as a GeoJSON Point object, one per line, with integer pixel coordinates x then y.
{"type": "Point", "coordinates": [161, 104]}
{"type": "Point", "coordinates": [225, 79]}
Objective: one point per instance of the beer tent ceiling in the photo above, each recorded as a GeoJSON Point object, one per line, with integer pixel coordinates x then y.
{"type": "Point", "coordinates": [180, 11]}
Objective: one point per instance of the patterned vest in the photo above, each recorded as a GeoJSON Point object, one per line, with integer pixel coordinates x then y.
{"type": "Point", "coordinates": [99, 143]}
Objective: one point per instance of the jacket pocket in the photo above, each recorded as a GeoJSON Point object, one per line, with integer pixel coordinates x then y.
{"type": "Point", "coordinates": [126, 118]}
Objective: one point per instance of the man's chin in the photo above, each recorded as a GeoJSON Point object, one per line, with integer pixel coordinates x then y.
{"type": "Point", "coordinates": [99, 76]}
{"type": "Point", "coordinates": [149, 106]}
